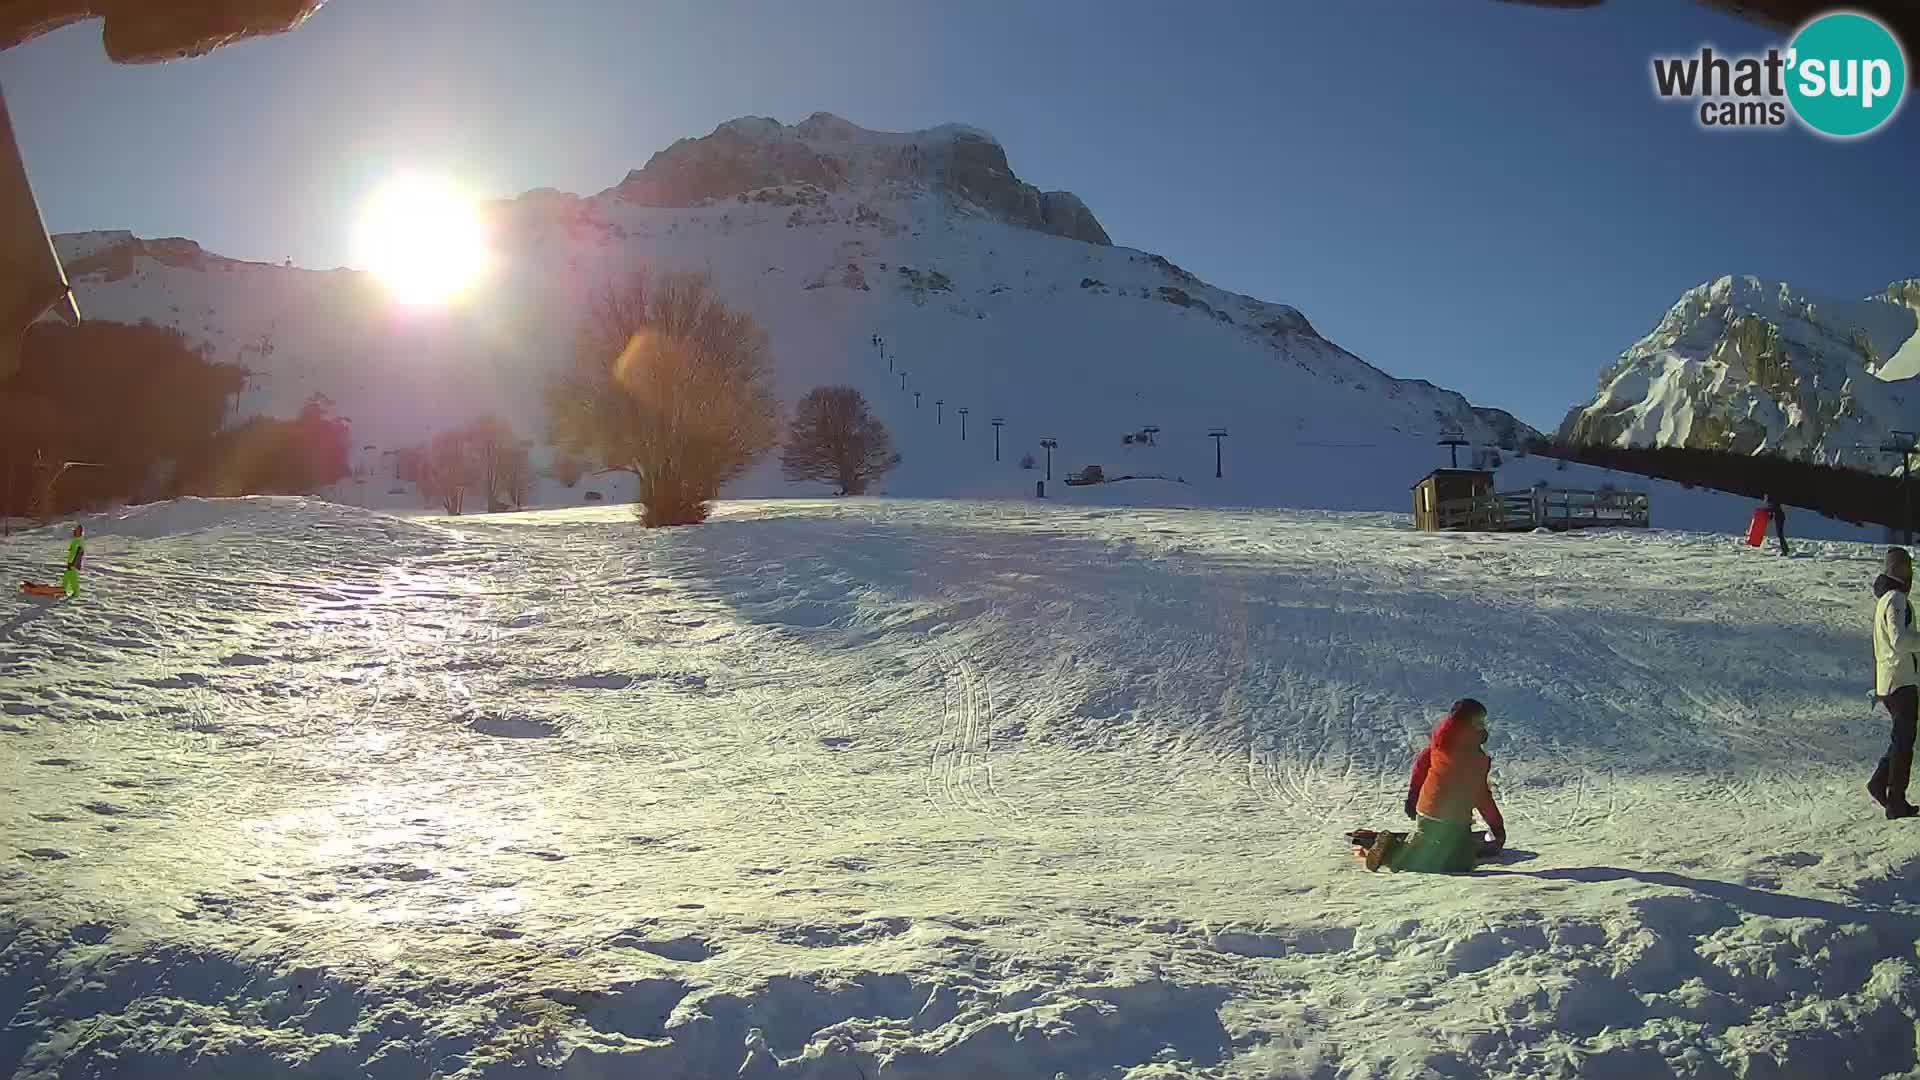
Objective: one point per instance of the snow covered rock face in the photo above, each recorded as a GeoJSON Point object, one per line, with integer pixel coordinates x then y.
{"type": "Point", "coordinates": [827, 152]}
{"type": "Point", "coordinates": [1747, 365]}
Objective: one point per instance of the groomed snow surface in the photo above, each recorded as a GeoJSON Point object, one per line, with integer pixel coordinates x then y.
{"type": "Point", "coordinates": [859, 788]}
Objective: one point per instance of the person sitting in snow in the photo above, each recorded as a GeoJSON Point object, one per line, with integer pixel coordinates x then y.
{"type": "Point", "coordinates": [1896, 669]}
{"type": "Point", "coordinates": [1450, 781]}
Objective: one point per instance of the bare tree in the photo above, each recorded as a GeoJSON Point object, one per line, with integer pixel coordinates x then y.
{"type": "Point", "coordinates": [450, 469]}
{"type": "Point", "coordinates": [515, 475]}
{"type": "Point", "coordinates": [492, 443]}
{"type": "Point", "coordinates": [421, 465]}
{"type": "Point", "coordinates": [670, 384]}
{"type": "Point", "coordinates": [490, 439]}
{"type": "Point", "coordinates": [834, 437]}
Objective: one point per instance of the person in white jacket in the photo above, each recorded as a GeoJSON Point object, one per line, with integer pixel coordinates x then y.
{"type": "Point", "coordinates": [1896, 663]}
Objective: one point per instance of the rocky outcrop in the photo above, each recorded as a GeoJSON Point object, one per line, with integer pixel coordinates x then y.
{"type": "Point", "coordinates": [110, 255]}
{"type": "Point", "coordinates": [1745, 365]}
{"type": "Point", "coordinates": [737, 157]}
{"type": "Point", "coordinates": [828, 153]}
{"type": "Point", "coordinates": [1063, 214]}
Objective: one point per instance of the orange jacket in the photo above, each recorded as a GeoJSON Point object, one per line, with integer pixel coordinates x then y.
{"type": "Point", "coordinates": [1450, 777]}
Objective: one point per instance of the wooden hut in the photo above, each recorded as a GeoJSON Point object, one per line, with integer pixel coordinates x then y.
{"type": "Point", "coordinates": [1449, 499]}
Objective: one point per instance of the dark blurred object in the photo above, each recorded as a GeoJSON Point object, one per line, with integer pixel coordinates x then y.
{"type": "Point", "coordinates": [151, 31]}
{"type": "Point", "coordinates": [31, 281]}
{"type": "Point", "coordinates": [1900, 16]}
{"type": "Point", "coordinates": [136, 32]}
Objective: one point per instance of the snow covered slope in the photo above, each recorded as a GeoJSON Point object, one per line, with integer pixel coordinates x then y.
{"type": "Point", "coordinates": [990, 294]}
{"type": "Point", "coordinates": [1746, 365]}
{"type": "Point", "coordinates": [934, 790]}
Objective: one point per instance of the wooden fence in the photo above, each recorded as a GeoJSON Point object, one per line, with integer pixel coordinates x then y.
{"type": "Point", "coordinates": [1562, 508]}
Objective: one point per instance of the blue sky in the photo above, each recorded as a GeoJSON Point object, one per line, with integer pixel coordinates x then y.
{"type": "Point", "coordinates": [1482, 195]}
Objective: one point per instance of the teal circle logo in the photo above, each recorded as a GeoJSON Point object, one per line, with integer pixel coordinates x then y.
{"type": "Point", "coordinates": [1846, 74]}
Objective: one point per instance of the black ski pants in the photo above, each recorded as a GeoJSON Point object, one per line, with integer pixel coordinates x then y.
{"type": "Point", "coordinates": [1891, 777]}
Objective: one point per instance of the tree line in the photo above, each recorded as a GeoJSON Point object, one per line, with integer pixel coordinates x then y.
{"type": "Point", "coordinates": [143, 412]}
{"type": "Point", "coordinates": [665, 381]}
{"type": "Point", "coordinates": [484, 458]}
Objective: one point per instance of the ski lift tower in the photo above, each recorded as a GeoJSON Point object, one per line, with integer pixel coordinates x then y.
{"type": "Point", "coordinates": [1216, 435]}
{"type": "Point", "coordinates": [1453, 439]}
{"type": "Point", "coordinates": [1050, 444]}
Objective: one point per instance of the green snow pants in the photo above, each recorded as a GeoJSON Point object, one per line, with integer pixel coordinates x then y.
{"type": "Point", "coordinates": [1436, 847]}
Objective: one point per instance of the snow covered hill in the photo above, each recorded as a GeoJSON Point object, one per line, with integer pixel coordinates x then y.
{"type": "Point", "coordinates": [932, 790]}
{"type": "Point", "coordinates": [1745, 365]}
{"type": "Point", "coordinates": [989, 294]}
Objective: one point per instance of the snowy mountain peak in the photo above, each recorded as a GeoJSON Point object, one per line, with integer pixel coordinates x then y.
{"type": "Point", "coordinates": [824, 151]}
{"type": "Point", "coordinates": [827, 125]}
{"type": "Point", "coordinates": [827, 129]}
{"type": "Point", "coordinates": [913, 266]}
{"type": "Point", "coordinates": [1748, 364]}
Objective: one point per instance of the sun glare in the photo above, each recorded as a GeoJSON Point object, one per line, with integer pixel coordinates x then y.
{"type": "Point", "coordinates": [423, 238]}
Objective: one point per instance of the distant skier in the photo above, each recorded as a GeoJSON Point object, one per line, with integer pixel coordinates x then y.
{"type": "Point", "coordinates": [1450, 781]}
{"type": "Point", "coordinates": [1896, 662]}
{"type": "Point", "coordinates": [1779, 515]}
{"type": "Point", "coordinates": [76, 554]}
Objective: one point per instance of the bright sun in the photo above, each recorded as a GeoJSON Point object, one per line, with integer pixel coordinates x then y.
{"type": "Point", "coordinates": [424, 239]}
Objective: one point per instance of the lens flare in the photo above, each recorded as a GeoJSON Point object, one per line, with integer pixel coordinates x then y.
{"type": "Point", "coordinates": [424, 239]}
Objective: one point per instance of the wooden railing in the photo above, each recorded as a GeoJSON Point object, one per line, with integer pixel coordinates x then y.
{"type": "Point", "coordinates": [1486, 513]}
{"type": "Point", "coordinates": [1561, 508]}
{"type": "Point", "coordinates": [1574, 509]}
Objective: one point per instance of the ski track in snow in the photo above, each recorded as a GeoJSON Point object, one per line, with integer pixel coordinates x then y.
{"type": "Point", "coordinates": [933, 789]}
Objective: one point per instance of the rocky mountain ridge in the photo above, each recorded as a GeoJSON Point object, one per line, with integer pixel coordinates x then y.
{"type": "Point", "coordinates": [1749, 365]}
